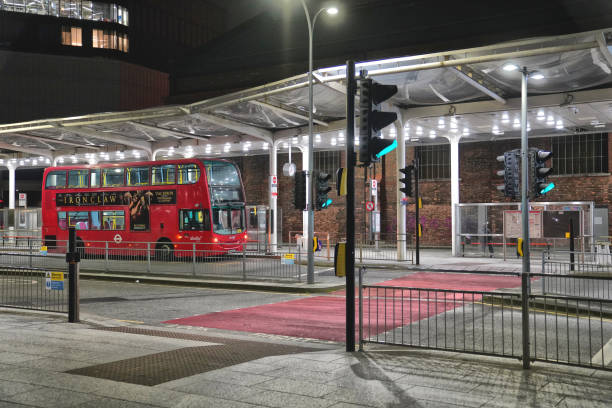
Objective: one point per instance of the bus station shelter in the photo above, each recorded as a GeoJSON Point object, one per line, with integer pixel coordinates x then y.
{"type": "Point", "coordinates": [453, 97]}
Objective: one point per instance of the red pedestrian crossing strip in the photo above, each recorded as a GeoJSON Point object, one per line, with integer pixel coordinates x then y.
{"type": "Point", "coordinates": [323, 317]}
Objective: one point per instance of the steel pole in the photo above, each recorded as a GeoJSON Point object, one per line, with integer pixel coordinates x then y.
{"type": "Point", "coordinates": [309, 190]}
{"type": "Point", "coordinates": [350, 206]}
{"type": "Point", "coordinates": [525, 219]}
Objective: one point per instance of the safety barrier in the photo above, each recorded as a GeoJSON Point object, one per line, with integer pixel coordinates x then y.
{"type": "Point", "coordinates": [25, 284]}
{"type": "Point", "coordinates": [584, 274]}
{"type": "Point", "coordinates": [572, 330]}
{"type": "Point", "coordinates": [181, 259]}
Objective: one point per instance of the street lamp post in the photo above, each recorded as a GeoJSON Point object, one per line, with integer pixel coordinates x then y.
{"type": "Point", "coordinates": [309, 172]}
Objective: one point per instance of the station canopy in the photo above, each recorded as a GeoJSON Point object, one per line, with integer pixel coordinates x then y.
{"type": "Point", "coordinates": [469, 94]}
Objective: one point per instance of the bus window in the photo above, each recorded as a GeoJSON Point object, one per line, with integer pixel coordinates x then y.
{"type": "Point", "coordinates": [77, 178]}
{"type": "Point", "coordinates": [188, 173]}
{"type": "Point", "coordinates": [194, 220]}
{"type": "Point", "coordinates": [96, 223]}
{"type": "Point", "coordinates": [137, 176]}
{"type": "Point", "coordinates": [113, 220]}
{"type": "Point", "coordinates": [165, 174]}
{"type": "Point", "coordinates": [56, 179]}
{"type": "Point", "coordinates": [61, 220]}
{"type": "Point", "coordinates": [94, 178]}
{"type": "Point", "coordinates": [112, 177]}
{"type": "Point", "coordinates": [78, 219]}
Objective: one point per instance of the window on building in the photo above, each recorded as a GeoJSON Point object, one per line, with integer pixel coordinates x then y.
{"type": "Point", "coordinates": [37, 7]}
{"type": "Point", "coordinates": [580, 154]}
{"type": "Point", "coordinates": [76, 9]}
{"type": "Point", "coordinates": [72, 36]}
{"type": "Point", "coordinates": [434, 162]}
{"type": "Point", "coordinates": [327, 162]}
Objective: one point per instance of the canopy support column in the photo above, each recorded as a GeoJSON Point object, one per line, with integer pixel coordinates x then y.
{"type": "Point", "coordinates": [454, 156]}
{"type": "Point", "coordinates": [273, 199]}
{"type": "Point", "coordinates": [401, 209]}
{"type": "Point", "coordinates": [11, 169]}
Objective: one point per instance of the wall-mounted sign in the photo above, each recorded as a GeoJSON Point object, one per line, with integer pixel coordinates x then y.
{"type": "Point", "coordinates": [374, 187]}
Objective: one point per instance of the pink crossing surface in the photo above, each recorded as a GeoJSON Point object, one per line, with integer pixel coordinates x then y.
{"type": "Point", "coordinates": [323, 317]}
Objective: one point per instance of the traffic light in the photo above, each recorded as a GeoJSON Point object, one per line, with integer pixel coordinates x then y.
{"type": "Point", "coordinates": [539, 172]}
{"type": "Point", "coordinates": [299, 191]}
{"type": "Point", "coordinates": [510, 173]}
{"type": "Point", "coordinates": [371, 121]}
{"type": "Point", "coordinates": [321, 189]}
{"type": "Point", "coordinates": [407, 180]}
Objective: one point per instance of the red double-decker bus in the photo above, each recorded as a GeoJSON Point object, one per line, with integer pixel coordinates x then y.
{"type": "Point", "coordinates": [164, 203]}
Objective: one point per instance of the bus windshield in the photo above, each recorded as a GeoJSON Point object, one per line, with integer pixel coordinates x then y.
{"type": "Point", "coordinates": [224, 183]}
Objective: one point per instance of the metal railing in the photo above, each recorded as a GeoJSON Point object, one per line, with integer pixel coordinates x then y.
{"type": "Point", "coordinates": [231, 261]}
{"type": "Point", "coordinates": [25, 287]}
{"type": "Point", "coordinates": [442, 319]}
{"type": "Point", "coordinates": [584, 274]}
{"type": "Point", "coordinates": [572, 330]}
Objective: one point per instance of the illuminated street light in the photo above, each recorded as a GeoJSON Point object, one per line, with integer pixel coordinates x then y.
{"type": "Point", "coordinates": [309, 172]}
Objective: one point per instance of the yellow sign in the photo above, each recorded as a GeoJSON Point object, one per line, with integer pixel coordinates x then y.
{"type": "Point", "coordinates": [519, 247]}
{"type": "Point", "coordinates": [567, 235]}
{"type": "Point", "coordinates": [420, 231]}
{"type": "Point", "coordinates": [289, 256]}
{"type": "Point", "coordinates": [57, 276]}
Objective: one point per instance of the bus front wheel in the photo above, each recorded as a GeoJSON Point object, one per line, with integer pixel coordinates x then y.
{"type": "Point", "coordinates": [164, 251]}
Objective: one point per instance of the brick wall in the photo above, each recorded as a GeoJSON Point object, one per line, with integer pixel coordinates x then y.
{"type": "Point", "coordinates": [478, 181]}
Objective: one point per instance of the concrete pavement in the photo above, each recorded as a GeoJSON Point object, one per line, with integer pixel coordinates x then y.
{"type": "Point", "coordinates": [46, 362]}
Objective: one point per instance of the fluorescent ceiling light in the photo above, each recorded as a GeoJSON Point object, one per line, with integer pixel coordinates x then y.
{"type": "Point", "coordinates": [510, 67]}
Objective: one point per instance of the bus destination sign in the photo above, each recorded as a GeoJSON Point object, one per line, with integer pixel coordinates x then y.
{"type": "Point", "coordinates": [93, 198]}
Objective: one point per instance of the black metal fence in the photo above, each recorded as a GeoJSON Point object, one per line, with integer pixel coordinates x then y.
{"type": "Point", "coordinates": [196, 260]}
{"type": "Point", "coordinates": [34, 288]}
{"type": "Point", "coordinates": [567, 329]}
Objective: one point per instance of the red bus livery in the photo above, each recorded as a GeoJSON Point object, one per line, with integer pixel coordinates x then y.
{"type": "Point", "coordinates": [166, 203]}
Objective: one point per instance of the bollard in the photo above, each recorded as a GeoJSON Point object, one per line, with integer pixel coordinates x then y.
{"type": "Point", "coordinates": [73, 259]}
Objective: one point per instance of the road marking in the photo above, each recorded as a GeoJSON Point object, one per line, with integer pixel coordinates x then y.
{"type": "Point", "coordinates": [604, 355]}
{"type": "Point", "coordinates": [130, 321]}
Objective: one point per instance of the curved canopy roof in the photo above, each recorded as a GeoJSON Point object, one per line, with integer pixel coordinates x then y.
{"type": "Point", "coordinates": [464, 93]}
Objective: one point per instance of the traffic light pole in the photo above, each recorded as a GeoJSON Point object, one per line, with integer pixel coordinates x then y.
{"type": "Point", "coordinates": [525, 218]}
{"type": "Point", "coordinates": [350, 205]}
{"type": "Point", "coordinates": [416, 209]}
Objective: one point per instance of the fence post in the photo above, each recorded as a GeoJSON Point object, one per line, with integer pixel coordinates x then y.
{"type": "Point", "coordinates": [193, 259]}
{"type": "Point", "coordinates": [525, 317]}
{"type": "Point", "coordinates": [148, 257]}
{"type": "Point", "coordinates": [361, 268]}
{"type": "Point", "coordinates": [244, 261]}
{"type": "Point", "coordinates": [73, 259]}
{"type": "Point", "coordinates": [299, 263]}
{"type": "Point", "coordinates": [543, 271]}
{"type": "Point", "coordinates": [106, 256]}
